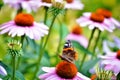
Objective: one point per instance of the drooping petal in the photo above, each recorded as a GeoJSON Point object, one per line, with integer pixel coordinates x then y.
{"type": "Point", "coordinates": [53, 77]}
{"type": "Point", "coordinates": [2, 71]}
{"type": "Point", "coordinates": [115, 22]}
{"type": "Point", "coordinates": [82, 76]}
{"type": "Point", "coordinates": [44, 76]}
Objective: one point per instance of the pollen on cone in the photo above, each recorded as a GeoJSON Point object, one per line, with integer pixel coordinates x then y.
{"type": "Point", "coordinates": [104, 12]}
{"type": "Point", "coordinates": [47, 1]}
{"type": "Point", "coordinates": [77, 30]}
{"type": "Point", "coordinates": [118, 54]}
{"type": "Point", "coordinates": [66, 70]}
{"type": "Point", "coordinates": [69, 1]}
{"type": "Point", "coordinates": [97, 17]}
{"type": "Point", "coordinates": [23, 19]}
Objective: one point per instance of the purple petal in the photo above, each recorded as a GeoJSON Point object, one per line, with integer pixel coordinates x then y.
{"type": "Point", "coordinates": [46, 75]}
{"type": "Point", "coordinates": [115, 22]}
{"type": "Point", "coordinates": [79, 38]}
{"type": "Point", "coordinates": [2, 71]}
{"type": "Point", "coordinates": [53, 77]}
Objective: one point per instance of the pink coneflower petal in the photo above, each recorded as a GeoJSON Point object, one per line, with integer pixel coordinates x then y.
{"type": "Point", "coordinates": [93, 20]}
{"type": "Point", "coordinates": [5, 30]}
{"type": "Point", "coordinates": [107, 57]}
{"type": "Point", "coordinates": [87, 14]}
{"type": "Point", "coordinates": [2, 71]}
{"type": "Point", "coordinates": [107, 28]}
{"type": "Point", "coordinates": [88, 22]}
{"type": "Point", "coordinates": [82, 19]}
{"type": "Point", "coordinates": [111, 61]}
{"type": "Point", "coordinates": [42, 26]}
{"type": "Point", "coordinates": [115, 22]}
{"type": "Point", "coordinates": [79, 38]}
{"type": "Point", "coordinates": [99, 26]}
{"type": "Point", "coordinates": [13, 31]}
{"type": "Point", "coordinates": [82, 76]}
{"type": "Point", "coordinates": [47, 69]}
{"type": "Point", "coordinates": [21, 31]}
{"type": "Point", "coordinates": [108, 23]}
{"type": "Point", "coordinates": [52, 74]}
{"type": "Point", "coordinates": [29, 27]}
{"type": "Point", "coordinates": [5, 25]}
{"type": "Point", "coordinates": [28, 5]}
{"type": "Point", "coordinates": [77, 78]}
{"type": "Point", "coordinates": [29, 32]}
{"type": "Point", "coordinates": [44, 76]}
{"type": "Point", "coordinates": [74, 5]}
{"type": "Point", "coordinates": [53, 77]}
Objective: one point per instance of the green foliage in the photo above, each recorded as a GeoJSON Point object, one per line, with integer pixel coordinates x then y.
{"type": "Point", "coordinates": [19, 75]}
{"type": "Point", "coordinates": [103, 74]}
{"type": "Point", "coordinates": [79, 46]}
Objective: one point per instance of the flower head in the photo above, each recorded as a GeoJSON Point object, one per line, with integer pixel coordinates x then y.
{"type": "Point", "coordinates": [95, 20]}
{"type": "Point", "coordinates": [24, 24]}
{"type": "Point", "coordinates": [70, 4]}
{"type": "Point", "coordinates": [111, 61]}
{"type": "Point", "coordinates": [69, 69]}
{"type": "Point", "coordinates": [15, 45]}
{"type": "Point", "coordinates": [63, 71]}
{"type": "Point", "coordinates": [102, 74]}
{"type": "Point", "coordinates": [47, 1]}
{"type": "Point", "coordinates": [15, 48]}
{"type": "Point", "coordinates": [74, 4]}
{"type": "Point", "coordinates": [108, 16]}
{"type": "Point", "coordinates": [76, 35]}
{"type": "Point", "coordinates": [29, 5]}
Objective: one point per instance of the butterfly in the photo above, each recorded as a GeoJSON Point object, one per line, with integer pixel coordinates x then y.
{"type": "Point", "coordinates": [68, 53]}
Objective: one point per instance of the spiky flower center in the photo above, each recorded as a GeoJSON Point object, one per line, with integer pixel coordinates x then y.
{"type": "Point", "coordinates": [104, 12]}
{"type": "Point", "coordinates": [118, 54]}
{"type": "Point", "coordinates": [23, 19]}
{"type": "Point", "coordinates": [77, 30]}
{"type": "Point", "coordinates": [69, 1]}
{"type": "Point", "coordinates": [47, 1]}
{"type": "Point", "coordinates": [66, 70]}
{"type": "Point", "coordinates": [97, 17]}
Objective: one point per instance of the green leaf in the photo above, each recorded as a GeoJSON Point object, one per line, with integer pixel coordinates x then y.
{"type": "Point", "coordinates": [6, 67]}
{"type": "Point", "coordinates": [19, 75]}
{"type": "Point", "coordinates": [88, 65]}
{"type": "Point", "coordinates": [31, 42]}
{"type": "Point", "coordinates": [64, 30]}
{"type": "Point", "coordinates": [79, 46]}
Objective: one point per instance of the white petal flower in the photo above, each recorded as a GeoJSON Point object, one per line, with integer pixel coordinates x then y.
{"type": "Point", "coordinates": [94, 20]}
{"type": "Point", "coordinates": [51, 73]}
{"type": "Point", "coordinates": [26, 26]}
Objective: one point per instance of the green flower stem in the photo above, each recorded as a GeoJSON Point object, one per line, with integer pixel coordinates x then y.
{"type": "Point", "coordinates": [60, 39]}
{"type": "Point", "coordinates": [84, 56]}
{"type": "Point", "coordinates": [43, 48]}
{"type": "Point", "coordinates": [45, 18]}
{"type": "Point", "coordinates": [14, 66]}
{"type": "Point", "coordinates": [96, 42]}
{"type": "Point", "coordinates": [20, 9]}
{"type": "Point", "coordinates": [19, 58]}
{"type": "Point", "coordinates": [59, 43]}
